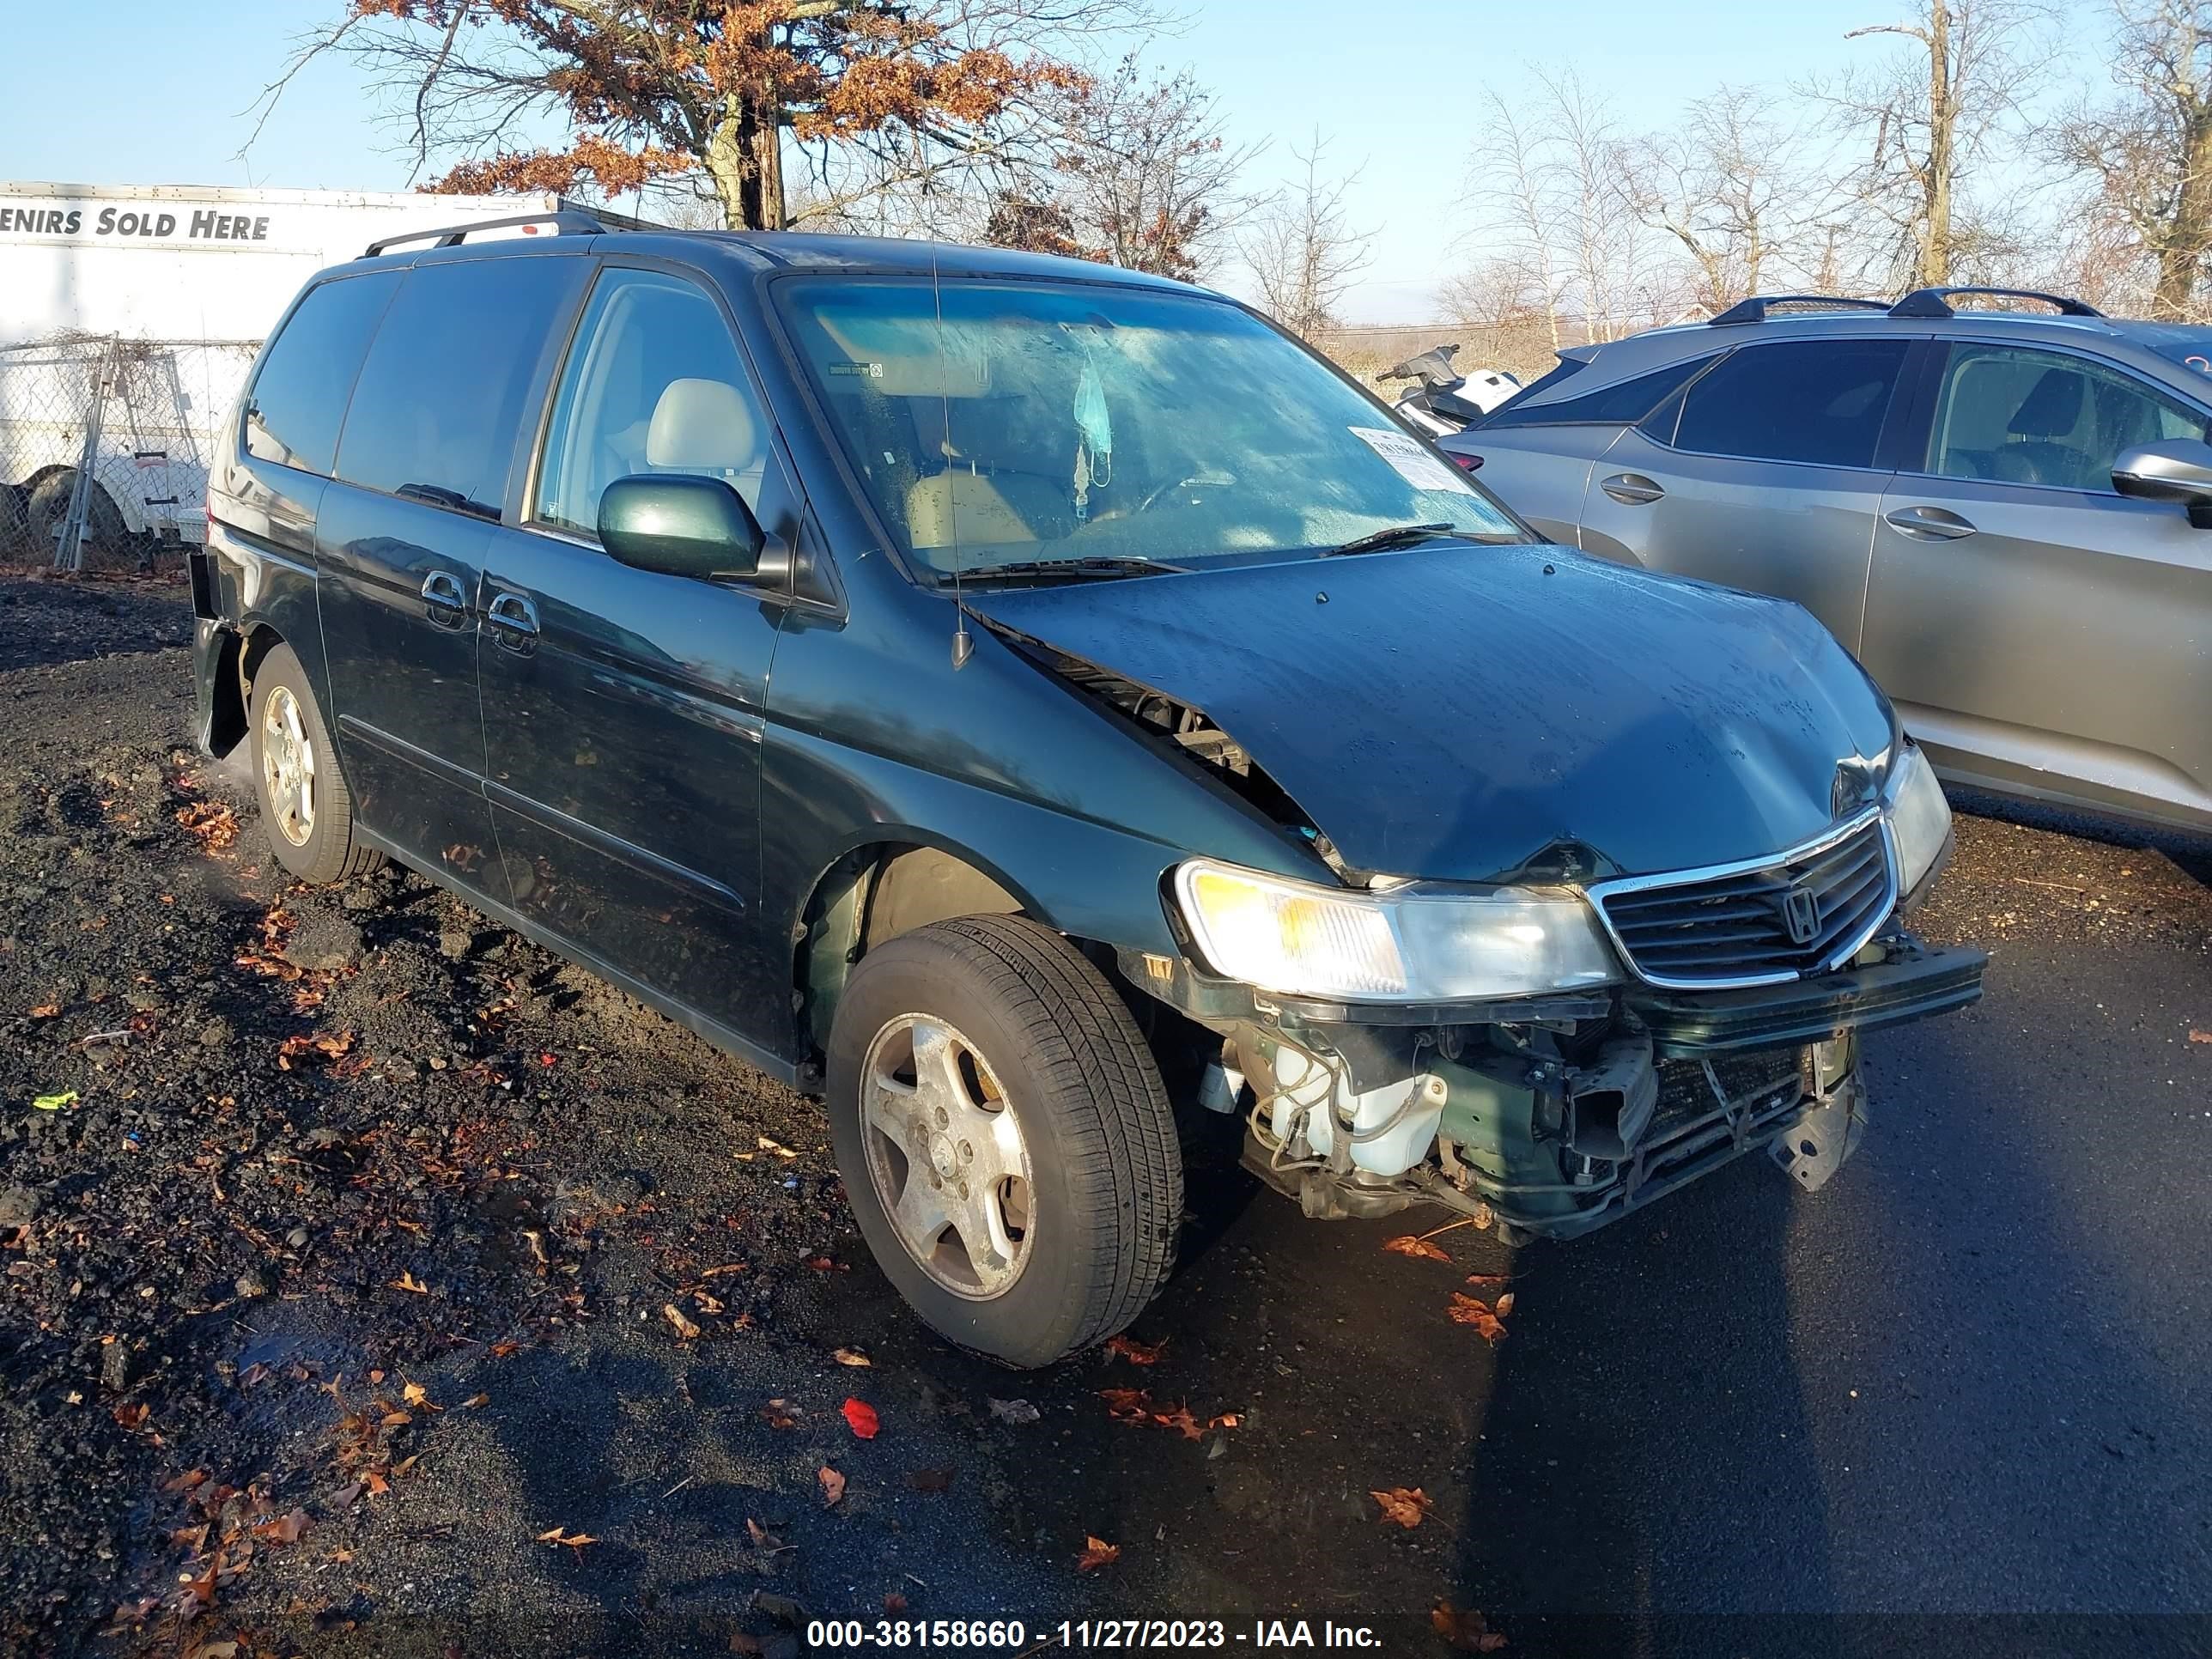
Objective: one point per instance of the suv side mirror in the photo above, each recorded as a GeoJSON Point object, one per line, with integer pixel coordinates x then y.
{"type": "Point", "coordinates": [2173, 469]}
{"type": "Point", "coordinates": [680, 526]}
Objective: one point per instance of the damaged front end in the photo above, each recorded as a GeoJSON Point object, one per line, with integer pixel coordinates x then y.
{"type": "Point", "coordinates": [1553, 1117]}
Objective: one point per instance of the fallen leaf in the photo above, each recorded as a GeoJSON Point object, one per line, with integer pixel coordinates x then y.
{"type": "Point", "coordinates": [894, 1602]}
{"type": "Point", "coordinates": [1505, 1304]}
{"type": "Point", "coordinates": [1490, 1279]}
{"type": "Point", "coordinates": [377, 1484]}
{"type": "Point", "coordinates": [1406, 1505]}
{"type": "Point", "coordinates": [1469, 1310]}
{"type": "Point", "coordinates": [833, 1485]}
{"type": "Point", "coordinates": [407, 1281]}
{"type": "Point", "coordinates": [684, 1328]}
{"type": "Point", "coordinates": [1127, 1405]}
{"type": "Point", "coordinates": [133, 1416]}
{"type": "Point", "coordinates": [1136, 1353]}
{"type": "Point", "coordinates": [853, 1357]}
{"type": "Point", "coordinates": [46, 1011]}
{"type": "Point", "coordinates": [1013, 1410]}
{"type": "Point", "coordinates": [2194, 1036]}
{"type": "Point", "coordinates": [1180, 1418]}
{"type": "Point", "coordinates": [1097, 1553]}
{"type": "Point", "coordinates": [186, 1481]}
{"type": "Point", "coordinates": [929, 1479]}
{"type": "Point", "coordinates": [1468, 1632]}
{"type": "Point", "coordinates": [415, 1395]}
{"type": "Point", "coordinates": [1414, 1245]}
{"type": "Point", "coordinates": [501, 1350]}
{"type": "Point", "coordinates": [574, 1540]}
{"type": "Point", "coordinates": [862, 1418]}
{"type": "Point", "coordinates": [780, 1414]}
{"type": "Point", "coordinates": [53, 1102]}
{"type": "Point", "coordinates": [285, 1528]}
{"type": "Point", "coordinates": [762, 1537]}
{"type": "Point", "coordinates": [474, 1400]}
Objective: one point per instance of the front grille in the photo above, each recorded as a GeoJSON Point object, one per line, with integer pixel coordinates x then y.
{"type": "Point", "coordinates": [1734, 927]}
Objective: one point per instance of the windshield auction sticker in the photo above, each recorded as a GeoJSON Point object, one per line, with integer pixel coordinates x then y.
{"type": "Point", "coordinates": [1410, 461]}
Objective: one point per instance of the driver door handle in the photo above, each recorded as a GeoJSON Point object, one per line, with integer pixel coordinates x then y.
{"type": "Point", "coordinates": [513, 621]}
{"type": "Point", "coordinates": [1631, 489]}
{"type": "Point", "coordinates": [443, 600]}
{"type": "Point", "coordinates": [1928, 524]}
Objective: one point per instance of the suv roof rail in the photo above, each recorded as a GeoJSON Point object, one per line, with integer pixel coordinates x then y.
{"type": "Point", "coordinates": [1937, 302]}
{"type": "Point", "coordinates": [574, 221]}
{"type": "Point", "coordinates": [1757, 308]}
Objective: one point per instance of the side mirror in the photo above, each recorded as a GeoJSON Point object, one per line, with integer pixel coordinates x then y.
{"type": "Point", "coordinates": [680, 526]}
{"type": "Point", "coordinates": [2173, 469]}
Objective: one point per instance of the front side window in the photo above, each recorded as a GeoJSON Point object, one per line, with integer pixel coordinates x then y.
{"type": "Point", "coordinates": [438, 408]}
{"type": "Point", "coordinates": [307, 374]}
{"type": "Point", "coordinates": [2016, 415]}
{"type": "Point", "coordinates": [652, 384]}
{"type": "Point", "coordinates": [1822, 401]}
{"type": "Point", "coordinates": [1001, 423]}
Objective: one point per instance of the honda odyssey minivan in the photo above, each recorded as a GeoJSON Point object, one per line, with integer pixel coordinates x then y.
{"type": "Point", "coordinates": [1035, 707]}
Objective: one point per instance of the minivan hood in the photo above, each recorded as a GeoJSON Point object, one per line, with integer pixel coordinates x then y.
{"type": "Point", "coordinates": [1452, 711]}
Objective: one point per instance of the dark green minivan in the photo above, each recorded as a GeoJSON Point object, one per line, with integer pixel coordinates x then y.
{"type": "Point", "coordinates": [1048, 712]}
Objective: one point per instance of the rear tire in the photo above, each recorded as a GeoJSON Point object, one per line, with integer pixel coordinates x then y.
{"type": "Point", "coordinates": [306, 813]}
{"type": "Point", "coordinates": [1083, 1198]}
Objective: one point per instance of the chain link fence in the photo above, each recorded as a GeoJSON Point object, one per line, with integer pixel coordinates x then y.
{"type": "Point", "coordinates": [105, 444]}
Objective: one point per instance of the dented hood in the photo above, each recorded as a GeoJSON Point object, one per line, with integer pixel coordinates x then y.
{"type": "Point", "coordinates": [1453, 711]}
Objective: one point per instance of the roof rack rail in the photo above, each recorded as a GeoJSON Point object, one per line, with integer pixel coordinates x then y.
{"type": "Point", "coordinates": [573, 220]}
{"type": "Point", "coordinates": [1937, 302]}
{"type": "Point", "coordinates": [1757, 308]}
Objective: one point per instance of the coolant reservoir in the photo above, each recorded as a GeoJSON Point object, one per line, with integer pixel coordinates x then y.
{"type": "Point", "coordinates": [1400, 1117]}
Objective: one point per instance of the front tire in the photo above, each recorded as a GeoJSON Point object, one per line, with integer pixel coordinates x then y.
{"type": "Point", "coordinates": [1004, 1137]}
{"type": "Point", "coordinates": [307, 814]}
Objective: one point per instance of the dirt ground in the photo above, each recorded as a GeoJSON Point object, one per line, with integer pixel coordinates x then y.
{"type": "Point", "coordinates": [372, 1283]}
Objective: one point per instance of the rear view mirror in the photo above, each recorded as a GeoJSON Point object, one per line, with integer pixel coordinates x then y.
{"type": "Point", "coordinates": [680, 526]}
{"type": "Point", "coordinates": [2173, 469]}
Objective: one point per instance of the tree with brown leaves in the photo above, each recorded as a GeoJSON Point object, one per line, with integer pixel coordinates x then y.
{"type": "Point", "coordinates": [717, 91]}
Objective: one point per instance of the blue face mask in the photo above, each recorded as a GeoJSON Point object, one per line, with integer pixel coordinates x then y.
{"type": "Point", "coordinates": [1094, 424]}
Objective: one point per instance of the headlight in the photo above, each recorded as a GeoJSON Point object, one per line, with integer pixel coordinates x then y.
{"type": "Point", "coordinates": [1299, 940]}
{"type": "Point", "coordinates": [1919, 817]}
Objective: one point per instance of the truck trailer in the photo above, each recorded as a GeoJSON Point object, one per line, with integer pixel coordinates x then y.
{"type": "Point", "coordinates": [130, 317]}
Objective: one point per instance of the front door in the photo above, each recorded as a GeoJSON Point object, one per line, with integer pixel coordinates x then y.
{"type": "Point", "coordinates": [2038, 630]}
{"type": "Point", "coordinates": [1763, 475]}
{"type": "Point", "coordinates": [403, 533]}
{"type": "Point", "coordinates": [624, 709]}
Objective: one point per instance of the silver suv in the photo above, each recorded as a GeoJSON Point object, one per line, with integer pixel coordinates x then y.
{"type": "Point", "coordinates": [2006, 514]}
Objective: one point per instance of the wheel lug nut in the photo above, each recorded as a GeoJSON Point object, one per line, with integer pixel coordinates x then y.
{"type": "Point", "coordinates": [967, 1152]}
{"type": "Point", "coordinates": [943, 1117]}
{"type": "Point", "coordinates": [936, 1181]}
{"type": "Point", "coordinates": [963, 1189]}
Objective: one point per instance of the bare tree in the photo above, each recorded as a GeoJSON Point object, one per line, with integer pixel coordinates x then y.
{"type": "Point", "coordinates": [1724, 185]}
{"type": "Point", "coordinates": [1511, 185]}
{"type": "Point", "coordinates": [1143, 178]}
{"type": "Point", "coordinates": [1303, 248]}
{"type": "Point", "coordinates": [1929, 116]}
{"type": "Point", "coordinates": [1501, 306]}
{"type": "Point", "coordinates": [1592, 212]}
{"type": "Point", "coordinates": [2149, 151]}
{"type": "Point", "coordinates": [888, 92]}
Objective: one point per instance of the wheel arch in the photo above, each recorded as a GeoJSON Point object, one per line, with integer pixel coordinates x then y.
{"type": "Point", "coordinates": [240, 650]}
{"type": "Point", "coordinates": [873, 892]}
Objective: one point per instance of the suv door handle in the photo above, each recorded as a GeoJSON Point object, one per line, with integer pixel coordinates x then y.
{"type": "Point", "coordinates": [443, 600]}
{"type": "Point", "coordinates": [1928, 524]}
{"type": "Point", "coordinates": [513, 621]}
{"type": "Point", "coordinates": [1631, 489]}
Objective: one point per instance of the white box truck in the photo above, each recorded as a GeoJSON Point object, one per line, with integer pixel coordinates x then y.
{"type": "Point", "coordinates": [130, 316]}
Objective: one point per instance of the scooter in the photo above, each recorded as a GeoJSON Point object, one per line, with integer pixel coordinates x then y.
{"type": "Point", "coordinates": [1447, 401]}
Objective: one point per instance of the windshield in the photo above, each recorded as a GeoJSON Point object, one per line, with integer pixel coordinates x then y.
{"type": "Point", "coordinates": [1044, 424]}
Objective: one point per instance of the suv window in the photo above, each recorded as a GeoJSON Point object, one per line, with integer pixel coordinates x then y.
{"type": "Point", "coordinates": [300, 391]}
{"type": "Point", "coordinates": [652, 384]}
{"type": "Point", "coordinates": [1818, 401]}
{"type": "Point", "coordinates": [1623, 402]}
{"type": "Point", "coordinates": [434, 413]}
{"type": "Point", "coordinates": [2044, 417]}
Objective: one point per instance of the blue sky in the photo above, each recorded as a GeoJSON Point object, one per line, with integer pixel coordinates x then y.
{"type": "Point", "coordinates": [142, 92]}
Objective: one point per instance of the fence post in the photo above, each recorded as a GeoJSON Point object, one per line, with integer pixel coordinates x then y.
{"type": "Point", "coordinates": [68, 548]}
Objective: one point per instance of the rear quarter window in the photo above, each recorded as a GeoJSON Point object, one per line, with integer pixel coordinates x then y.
{"type": "Point", "coordinates": [306, 374]}
{"type": "Point", "coordinates": [438, 408]}
{"type": "Point", "coordinates": [1622, 404]}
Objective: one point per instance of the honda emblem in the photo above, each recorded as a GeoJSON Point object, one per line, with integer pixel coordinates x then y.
{"type": "Point", "coordinates": [1801, 915]}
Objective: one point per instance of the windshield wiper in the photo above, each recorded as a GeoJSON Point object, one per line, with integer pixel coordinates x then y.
{"type": "Point", "coordinates": [1398, 535]}
{"type": "Point", "coordinates": [1095, 567]}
